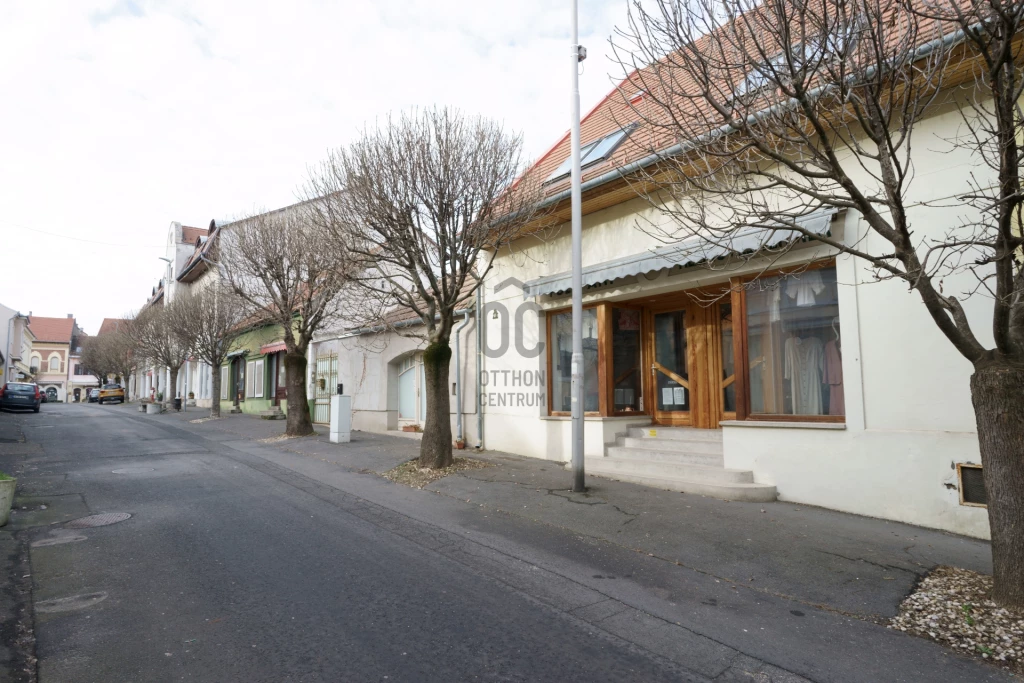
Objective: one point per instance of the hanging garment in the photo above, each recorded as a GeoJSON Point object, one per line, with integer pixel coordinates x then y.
{"type": "Point", "coordinates": [806, 288]}
{"type": "Point", "coordinates": [774, 299]}
{"type": "Point", "coordinates": [833, 377]}
{"type": "Point", "coordinates": [805, 364]}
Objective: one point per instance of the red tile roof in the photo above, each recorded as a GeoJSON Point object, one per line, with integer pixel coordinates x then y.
{"type": "Point", "coordinates": [632, 104]}
{"type": "Point", "coordinates": [52, 329]}
{"type": "Point", "coordinates": [190, 234]}
{"type": "Point", "coordinates": [110, 325]}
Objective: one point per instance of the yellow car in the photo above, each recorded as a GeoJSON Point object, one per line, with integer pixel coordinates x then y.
{"type": "Point", "coordinates": [111, 392]}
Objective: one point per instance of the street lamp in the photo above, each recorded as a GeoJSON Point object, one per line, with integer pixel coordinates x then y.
{"type": "Point", "coordinates": [577, 53]}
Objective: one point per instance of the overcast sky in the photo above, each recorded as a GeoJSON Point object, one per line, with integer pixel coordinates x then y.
{"type": "Point", "coordinates": [122, 116]}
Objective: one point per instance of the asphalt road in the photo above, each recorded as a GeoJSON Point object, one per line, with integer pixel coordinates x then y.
{"type": "Point", "coordinates": [235, 568]}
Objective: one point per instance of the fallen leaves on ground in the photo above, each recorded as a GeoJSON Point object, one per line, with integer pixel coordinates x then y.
{"type": "Point", "coordinates": [411, 474]}
{"type": "Point", "coordinates": [952, 606]}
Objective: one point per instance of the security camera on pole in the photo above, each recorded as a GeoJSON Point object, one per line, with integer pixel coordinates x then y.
{"type": "Point", "coordinates": [578, 54]}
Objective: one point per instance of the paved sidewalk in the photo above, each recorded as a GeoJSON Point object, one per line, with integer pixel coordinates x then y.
{"type": "Point", "coordinates": [851, 564]}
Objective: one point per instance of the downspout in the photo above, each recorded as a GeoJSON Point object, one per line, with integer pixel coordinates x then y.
{"type": "Point", "coordinates": [479, 349]}
{"type": "Point", "coordinates": [458, 379]}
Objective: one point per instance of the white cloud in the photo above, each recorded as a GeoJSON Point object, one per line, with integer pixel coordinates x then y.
{"type": "Point", "coordinates": [120, 117]}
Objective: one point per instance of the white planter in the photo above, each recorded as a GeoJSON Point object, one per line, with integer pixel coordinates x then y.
{"type": "Point", "coordinates": [154, 408]}
{"type": "Point", "coordinates": [6, 498]}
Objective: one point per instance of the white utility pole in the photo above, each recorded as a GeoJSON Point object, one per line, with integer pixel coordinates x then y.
{"type": "Point", "coordinates": [578, 54]}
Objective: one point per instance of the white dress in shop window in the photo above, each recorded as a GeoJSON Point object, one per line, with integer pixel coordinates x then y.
{"type": "Point", "coordinates": [805, 363]}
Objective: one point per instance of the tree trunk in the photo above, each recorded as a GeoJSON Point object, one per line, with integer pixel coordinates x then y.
{"type": "Point", "coordinates": [299, 421]}
{"type": "Point", "coordinates": [172, 388]}
{"type": "Point", "coordinates": [436, 446]}
{"type": "Point", "coordinates": [997, 391]}
{"type": "Point", "coordinates": [215, 391]}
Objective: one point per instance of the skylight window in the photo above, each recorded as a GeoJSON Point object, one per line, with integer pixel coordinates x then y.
{"type": "Point", "coordinates": [592, 153]}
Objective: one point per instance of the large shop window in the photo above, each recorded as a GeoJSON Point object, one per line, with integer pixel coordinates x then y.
{"type": "Point", "coordinates": [560, 344]}
{"type": "Point", "coordinates": [794, 345]}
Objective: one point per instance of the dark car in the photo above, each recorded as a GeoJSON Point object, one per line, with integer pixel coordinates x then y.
{"type": "Point", "coordinates": [20, 395]}
{"type": "Point", "coordinates": [94, 395]}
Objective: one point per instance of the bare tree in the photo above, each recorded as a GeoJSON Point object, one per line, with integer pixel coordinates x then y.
{"type": "Point", "coordinates": [763, 113]}
{"type": "Point", "coordinates": [112, 353]}
{"type": "Point", "coordinates": [122, 352]}
{"type": "Point", "coordinates": [96, 356]}
{"type": "Point", "coordinates": [208, 322]}
{"type": "Point", "coordinates": [280, 265]}
{"type": "Point", "coordinates": [421, 206]}
{"type": "Point", "coordinates": [154, 338]}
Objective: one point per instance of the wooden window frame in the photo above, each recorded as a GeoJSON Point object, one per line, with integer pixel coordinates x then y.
{"type": "Point", "coordinates": [740, 347]}
{"type": "Point", "coordinates": [602, 362]}
{"type": "Point", "coordinates": [960, 483]}
{"type": "Point", "coordinates": [605, 366]}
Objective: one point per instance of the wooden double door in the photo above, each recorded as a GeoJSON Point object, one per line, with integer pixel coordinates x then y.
{"type": "Point", "coordinates": [691, 373]}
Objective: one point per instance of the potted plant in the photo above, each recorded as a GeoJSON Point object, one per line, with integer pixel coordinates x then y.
{"type": "Point", "coordinates": [6, 496]}
{"type": "Point", "coordinates": [191, 395]}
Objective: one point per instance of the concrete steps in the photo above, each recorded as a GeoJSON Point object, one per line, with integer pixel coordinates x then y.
{"type": "Point", "coordinates": [274, 413]}
{"type": "Point", "coordinates": [678, 459]}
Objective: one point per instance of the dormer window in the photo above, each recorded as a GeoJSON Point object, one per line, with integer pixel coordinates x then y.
{"type": "Point", "coordinates": [593, 152]}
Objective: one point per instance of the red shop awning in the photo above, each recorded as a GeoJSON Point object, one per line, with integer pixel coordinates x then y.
{"type": "Point", "coordinates": [273, 348]}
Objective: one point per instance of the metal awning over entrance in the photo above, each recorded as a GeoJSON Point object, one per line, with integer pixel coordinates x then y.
{"type": "Point", "coordinates": [686, 253]}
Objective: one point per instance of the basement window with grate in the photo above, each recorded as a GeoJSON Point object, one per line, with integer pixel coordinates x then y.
{"type": "Point", "coordinates": [972, 485]}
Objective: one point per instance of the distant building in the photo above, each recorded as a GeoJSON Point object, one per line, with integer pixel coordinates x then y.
{"type": "Point", "coordinates": [15, 346]}
{"type": "Point", "coordinates": [55, 351]}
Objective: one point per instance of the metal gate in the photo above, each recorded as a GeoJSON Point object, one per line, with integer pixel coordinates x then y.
{"type": "Point", "coordinates": [325, 379]}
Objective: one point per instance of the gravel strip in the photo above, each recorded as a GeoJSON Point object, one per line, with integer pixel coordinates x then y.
{"type": "Point", "coordinates": [411, 474]}
{"type": "Point", "coordinates": [952, 607]}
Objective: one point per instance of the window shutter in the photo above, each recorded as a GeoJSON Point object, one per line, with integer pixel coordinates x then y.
{"type": "Point", "coordinates": [258, 379]}
{"type": "Point", "coordinates": [249, 374]}
{"type": "Point", "coordinates": [224, 383]}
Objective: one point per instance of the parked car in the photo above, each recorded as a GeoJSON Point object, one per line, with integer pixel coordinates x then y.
{"type": "Point", "coordinates": [111, 392]}
{"type": "Point", "coordinates": [94, 395]}
{"type": "Point", "coordinates": [20, 395]}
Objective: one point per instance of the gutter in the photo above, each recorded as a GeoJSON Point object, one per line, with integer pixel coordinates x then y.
{"type": "Point", "coordinates": [458, 378]}
{"type": "Point", "coordinates": [688, 146]}
{"type": "Point", "coordinates": [479, 350]}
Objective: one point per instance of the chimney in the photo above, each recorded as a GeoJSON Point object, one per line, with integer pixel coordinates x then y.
{"type": "Point", "coordinates": [71, 315]}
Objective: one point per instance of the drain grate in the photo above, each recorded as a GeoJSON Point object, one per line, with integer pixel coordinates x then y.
{"type": "Point", "coordinates": [97, 520]}
{"type": "Point", "coordinates": [132, 470]}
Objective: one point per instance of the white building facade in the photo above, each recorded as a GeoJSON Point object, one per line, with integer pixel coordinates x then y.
{"type": "Point", "coordinates": [801, 379]}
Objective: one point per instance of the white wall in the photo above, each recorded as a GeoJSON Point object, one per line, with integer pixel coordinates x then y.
{"type": "Point", "coordinates": [909, 414]}
{"type": "Point", "coordinates": [368, 367]}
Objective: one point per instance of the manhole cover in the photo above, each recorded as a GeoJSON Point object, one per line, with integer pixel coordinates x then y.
{"type": "Point", "coordinates": [72, 603]}
{"type": "Point", "coordinates": [97, 520]}
{"type": "Point", "coordinates": [58, 540]}
{"type": "Point", "coordinates": [132, 470]}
